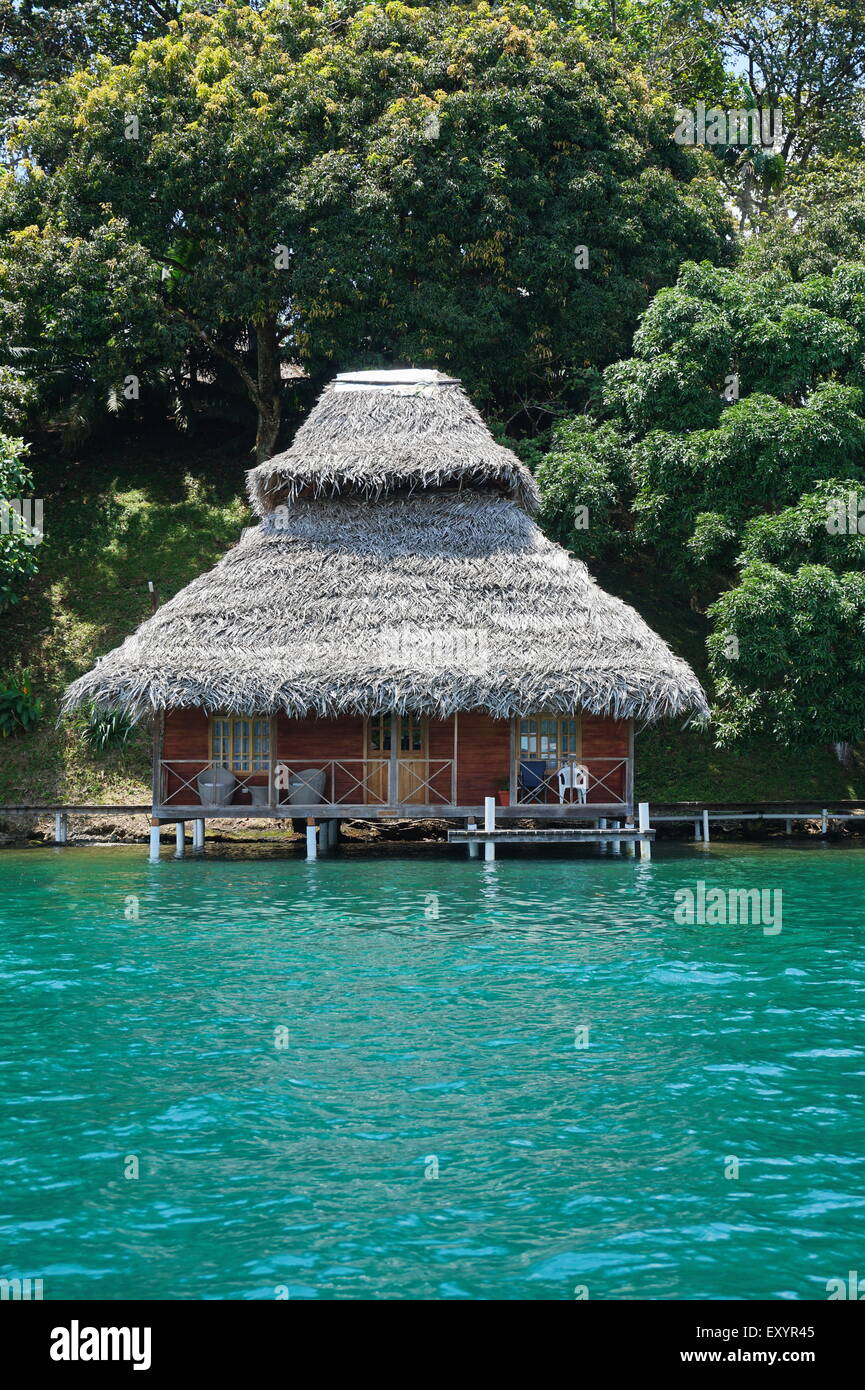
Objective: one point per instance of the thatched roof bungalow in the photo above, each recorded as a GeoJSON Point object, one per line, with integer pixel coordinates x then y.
{"type": "Point", "coordinates": [396, 634]}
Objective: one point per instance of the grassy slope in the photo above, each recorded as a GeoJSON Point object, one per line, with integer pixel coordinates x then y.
{"type": "Point", "coordinates": [158, 506]}
{"type": "Point", "coordinates": [116, 515]}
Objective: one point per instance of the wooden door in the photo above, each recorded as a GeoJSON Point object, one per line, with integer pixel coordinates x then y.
{"type": "Point", "coordinates": [413, 759]}
{"type": "Point", "coordinates": [378, 752]}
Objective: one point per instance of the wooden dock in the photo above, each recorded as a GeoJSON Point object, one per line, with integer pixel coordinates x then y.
{"type": "Point", "coordinates": [572, 835]}
{"type": "Point", "coordinates": [601, 833]}
{"type": "Point", "coordinates": [323, 828]}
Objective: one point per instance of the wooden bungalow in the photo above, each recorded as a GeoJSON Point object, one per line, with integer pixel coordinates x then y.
{"type": "Point", "coordinates": [395, 637]}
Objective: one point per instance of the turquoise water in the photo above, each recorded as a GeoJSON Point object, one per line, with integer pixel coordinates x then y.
{"type": "Point", "coordinates": [418, 1041]}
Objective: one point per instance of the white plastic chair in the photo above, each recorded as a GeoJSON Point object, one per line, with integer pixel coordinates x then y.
{"type": "Point", "coordinates": [575, 777]}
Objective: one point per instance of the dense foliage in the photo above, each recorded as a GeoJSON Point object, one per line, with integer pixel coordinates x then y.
{"type": "Point", "coordinates": [208, 208]}
{"type": "Point", "coordinates": [18, 537]}
{"type": "Point", "coordinates": [304, 187]}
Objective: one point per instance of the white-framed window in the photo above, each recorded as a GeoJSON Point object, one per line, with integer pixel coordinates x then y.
{"type": "Point", "coordinates": [243, 745]}
{"type": "Point", "coordinates": [552, 737]}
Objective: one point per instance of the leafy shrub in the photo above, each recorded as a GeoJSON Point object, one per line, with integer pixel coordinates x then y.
{"type": "Point", "coordinates": [19, 707]}
{"type": "Point", "coordinates": [102, 729]}
{"type": "Point", "coordinates": [17, 552]}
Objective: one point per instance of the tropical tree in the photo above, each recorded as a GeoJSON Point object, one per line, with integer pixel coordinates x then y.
{"type": "Point", "coordinates": [476, 188]}
{"type": "Point", "coordinates": [719, 449]}
{"type": "Point", "coordinates": [787, 652]}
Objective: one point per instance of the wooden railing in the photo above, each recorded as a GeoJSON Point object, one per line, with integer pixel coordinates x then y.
{"type": "Point", "coordinates": [572, 781]}
{"type": "Point", "coordinates": [270, 783]}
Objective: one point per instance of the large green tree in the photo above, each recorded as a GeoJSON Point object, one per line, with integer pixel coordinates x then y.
{"type": "Point", "coordinates": [788, 648]}
{"type": "Point", "coordinates": [715, 449]}
{"type": "Point", "coordinates": [316, 186]}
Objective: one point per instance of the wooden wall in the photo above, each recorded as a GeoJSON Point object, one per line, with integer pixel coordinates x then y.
{"type": "Point", "coordinates": [607, 739]}
{"type": "Point", "coordinates": [483, 757]}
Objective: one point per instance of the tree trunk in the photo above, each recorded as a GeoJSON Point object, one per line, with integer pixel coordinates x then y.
{"type": "Point", "coordinates": [269, 405]}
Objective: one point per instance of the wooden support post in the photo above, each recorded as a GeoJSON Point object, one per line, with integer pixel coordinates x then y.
{"type": "Point", "coordinates": [310, 838]}
{"type": "Point", "coordinates": [489, 824]}
{"type": "Point", "coordinates": [472, 828]}
{"type": "Point", "coordinates": [154, 842]}
{"type": "Point", "coordinates": [179, 836]}
{"type": "Point", "coordinates": [706, 826]}
{"type": "Point", "coordinates": [824, 822]}
{"type": "Point", "coordinates": [645, 845]}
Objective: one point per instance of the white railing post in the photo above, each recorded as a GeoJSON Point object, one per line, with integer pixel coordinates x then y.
{"type": "Point", "coordinates": [490, 825]}
{"type": "Point", "coordinates": [645, 845]}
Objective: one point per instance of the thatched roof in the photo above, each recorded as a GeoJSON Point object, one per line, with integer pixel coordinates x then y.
{"type": "Point", "coordinates": [378, 432]}
{"type": "Point", "coordinates": [432, 603]}
{"type": "Point", "coordinates": [396, 567]}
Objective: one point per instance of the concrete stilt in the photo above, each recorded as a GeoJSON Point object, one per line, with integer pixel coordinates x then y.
{"type": "Point", "coordinates": [324, 836]}
{"type": "Point", "coordinates": [616, 845]}
{"type": "Point", "coordinates": [198, 836]}
{"type": "Point", "coordinates": [602, 825]}
{"type": "Point", "coordinates": [489, 824]}
{"type": "Point", "coordinates": [824, 822]}
{"type": "Point", "coordinates": [61, 827]}
{"type": "Point", "coordinates": [180, 839]}
{"type": "Point", "coordinates": [788, 827]}
{"type": "Point", "coordinates": [333, 832]}
{"type": "Point", "coordinates": [311, 847]}
{"type": "Point", "coordinates": [472, 826]}
{"type": "Point", "coordinates": [154, 842]}
{"type": "Point", "coordinates": [698, 830]}
{"type": "Point", "coordinates": [706, 826]}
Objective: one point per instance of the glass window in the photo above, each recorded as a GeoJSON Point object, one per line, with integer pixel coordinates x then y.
{"type": "Point", "coordinates": [379, 733]}
{"type": "Point", "coordinates": [550, 737]}
{"type": "Point", "coordinates": [411, 735]}
{"type": "Point", "coordinates": [243, 745]}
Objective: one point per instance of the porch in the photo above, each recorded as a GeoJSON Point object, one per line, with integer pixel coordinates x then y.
{"type": "Point", "coordinates": [375, 789]}
{"type": "Point", "coordinates": [392, 766]}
